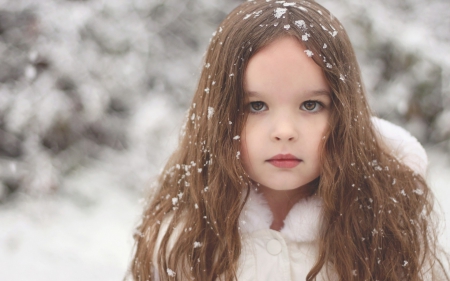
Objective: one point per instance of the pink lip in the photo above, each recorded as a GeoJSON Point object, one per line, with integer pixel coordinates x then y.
{"type": "Point", "coordinates": [284, 161]}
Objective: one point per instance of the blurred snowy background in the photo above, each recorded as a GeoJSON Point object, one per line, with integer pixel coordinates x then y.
{"type": "Point", "coordinates": [93, 92]}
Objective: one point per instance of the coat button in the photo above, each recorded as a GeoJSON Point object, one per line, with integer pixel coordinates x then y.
{"type": "Point", "coordinates": [273, 247]}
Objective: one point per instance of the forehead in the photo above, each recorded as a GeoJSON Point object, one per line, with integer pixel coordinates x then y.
{"type": "Point", "coordinates": [284, 65]}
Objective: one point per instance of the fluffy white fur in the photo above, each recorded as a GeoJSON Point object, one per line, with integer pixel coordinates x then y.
{"type": "Point", "coordinates": [256, 214]}
{"type": "Point", "coordinates": [402, 145]}
{"type": "Point", "coordinates": [301, 224]}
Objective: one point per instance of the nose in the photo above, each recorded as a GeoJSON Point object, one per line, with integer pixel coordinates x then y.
{"type": "Point", "coordinates": [284, 129]}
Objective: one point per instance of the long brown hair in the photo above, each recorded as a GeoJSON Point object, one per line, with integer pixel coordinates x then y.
{"type": "Point", "coordinates": [376, 213]}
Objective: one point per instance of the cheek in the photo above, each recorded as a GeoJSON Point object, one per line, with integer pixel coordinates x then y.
{"type": "Point", "coordinates": [321, 132]}
{"type": "Point", "coordinates": [322, 137]}
{"type": "Point", "coordinates": [245, 158]}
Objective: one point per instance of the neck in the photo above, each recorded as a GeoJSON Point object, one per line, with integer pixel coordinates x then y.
{"type": "Point", "coordinates": [281, 201]}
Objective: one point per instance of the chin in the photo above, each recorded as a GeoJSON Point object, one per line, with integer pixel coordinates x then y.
{"type": "Point", "coordinates": [283, 186]}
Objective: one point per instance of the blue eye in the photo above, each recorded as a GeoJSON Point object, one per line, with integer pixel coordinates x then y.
{"type": "Point", "coordinates": [257, 106]}
{"type": "Point", "coordinates": [311, 106]}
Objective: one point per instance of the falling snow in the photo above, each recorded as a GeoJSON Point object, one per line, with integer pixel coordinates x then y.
{"type": "Point", "coordinates": [210, 112]}
{"type": "Point", "coordinates": [418, 191]}
{"type": "Point", "coordinates": [301, 24]}
{"type": "Point", "coordinates": [170, 272]}
{"type": "Point", "coordinates": [30, 230]}
{"type": "Point", "coordinates": [309, 53]}
{"type": "Point", "coordinates": [305, 36]}
{"type": "Point", "coordinates": [279, 12]}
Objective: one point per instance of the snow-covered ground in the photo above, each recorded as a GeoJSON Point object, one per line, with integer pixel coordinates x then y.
{"type": "Point", "coordinates": [85, 234]}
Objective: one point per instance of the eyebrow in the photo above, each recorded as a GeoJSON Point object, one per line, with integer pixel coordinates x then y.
{"type": "Point", "coordinates": [307, 93]}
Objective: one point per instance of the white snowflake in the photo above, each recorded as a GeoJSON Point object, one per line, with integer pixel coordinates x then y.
{"type": "Point", "coordinates": [170, 272]}
{"type": "Point", "coordinates": [210, 112]}
{"type": "Point", "coordinates": [305, 36]}
{"type": "Point", "coordinates": [418, 191]}
{"type": "Point", "coordinates": [309, 53]}
{"type": "Point", "coordinates": [301, 24]}
{"type": "Point", "coordinates": [279, 12]}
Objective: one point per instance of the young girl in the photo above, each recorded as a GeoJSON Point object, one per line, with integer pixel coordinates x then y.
{"type": "Point", "coordinates": [281, 172]}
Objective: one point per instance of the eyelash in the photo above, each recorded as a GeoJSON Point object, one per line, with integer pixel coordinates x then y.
{"type": "Point", "coordinates": [318, 106]}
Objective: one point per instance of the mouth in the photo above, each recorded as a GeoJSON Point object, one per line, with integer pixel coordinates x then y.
{"type": "Point", "coordinates": [286, 161]}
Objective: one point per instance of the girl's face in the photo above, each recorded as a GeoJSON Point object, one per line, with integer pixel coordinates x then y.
{"type": "Point", "coordinates": [289, 106]}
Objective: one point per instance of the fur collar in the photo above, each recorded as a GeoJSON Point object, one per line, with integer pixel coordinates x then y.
{"type": "Point", "coordinates": [301, 224]}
